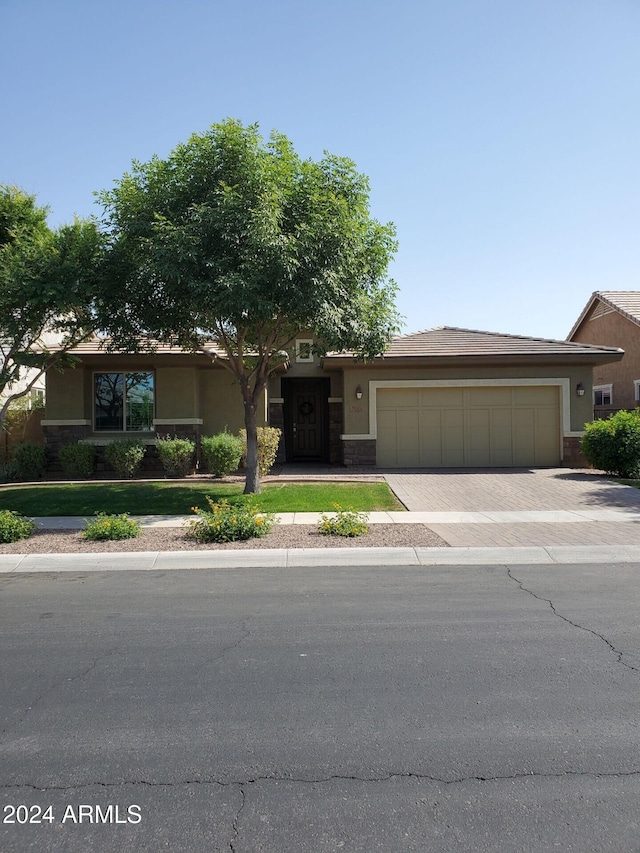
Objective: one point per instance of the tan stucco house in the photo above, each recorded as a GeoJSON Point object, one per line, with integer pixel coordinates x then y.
{"type": "Point", "coordinates": [612, 318]}
{"type": "Point", "coordinates": [443, 397]}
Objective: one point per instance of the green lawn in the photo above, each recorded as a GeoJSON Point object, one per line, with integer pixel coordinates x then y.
{"type": "Point", "coordinates": [166, 498]}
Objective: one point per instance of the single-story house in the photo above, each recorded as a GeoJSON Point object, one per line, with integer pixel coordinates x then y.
{"type": "Point", "coordinates": [444, 397]}
{"type": "Point", "coordinates": [612, 318]}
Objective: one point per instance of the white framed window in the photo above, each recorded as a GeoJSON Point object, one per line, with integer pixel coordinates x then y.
{"type": "Point", "coordinates": [304, 350]}
{"type": "Point", "coordinates": [636, 390]}
{"type": "Point", "coordinates": [602, 395]}
{"type": "Point", "coordinates": [123, 402]}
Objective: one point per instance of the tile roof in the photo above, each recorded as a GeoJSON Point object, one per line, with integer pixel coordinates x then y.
{"type": "Point", "coordinates": [449, 341]}
{"type": "Point", "coordinates": [99, 345]}
{"type": "Point", "coordinates": [626, 302]}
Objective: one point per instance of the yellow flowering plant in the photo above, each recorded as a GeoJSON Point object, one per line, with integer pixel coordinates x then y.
{"type": "Point", "coordinates": [344, 522]}
{"type": "Point", "coordinates": [104, 527]}
{"type": "Point", "coordinates": [223, 522]}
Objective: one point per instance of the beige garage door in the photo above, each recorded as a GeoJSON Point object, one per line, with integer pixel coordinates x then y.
{"type": "Point", "coordinates": [468, 427]}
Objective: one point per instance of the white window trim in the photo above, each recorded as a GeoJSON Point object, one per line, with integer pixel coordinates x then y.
{"type": "Point", "coordinates": [300, 343]}
{"type": "Point", "coordinates": [636, 390]}
{"type": "Point", "coordinates": [608, 388]}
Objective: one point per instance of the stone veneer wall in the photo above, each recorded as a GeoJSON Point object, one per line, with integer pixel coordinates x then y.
{"type": "Point", "coordinates": [276, 419]}
{"type": "Point", "coordinates": [359, 452]}
{"type": "Point", "coordinates": [571, 454]}
{"type": "Point", "coordinates": [335, 430]}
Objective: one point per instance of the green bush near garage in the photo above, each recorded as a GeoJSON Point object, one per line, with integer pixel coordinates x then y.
{"type": "Point", "coordinates": [613, 445]}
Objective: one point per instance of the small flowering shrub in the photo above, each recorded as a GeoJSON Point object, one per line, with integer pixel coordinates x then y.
{"type": "Point", "coordinates": [176, 455]}
{"type": "Point", "coordinates": [225, 523]}
{"type": "Point", "coordinates": [345, 522]}
{"type": "Point", "coordinates": [77, 460]}
{"type": "Point", "coordinates": [14, 526]}
{"type": "Point", "coordinates": [221, 453]}
{"type": "Point", "coordinates": [268, 442]}
{"type": "Point", "coordinates": [30, 461]}
{"type": "Point", "coordinates": [104, 527]}
{"type": "Point", "coordinates": [125, 456]}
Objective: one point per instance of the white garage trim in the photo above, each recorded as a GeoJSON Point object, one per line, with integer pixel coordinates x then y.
{"type": "Point", "coordinates": [563, 383]}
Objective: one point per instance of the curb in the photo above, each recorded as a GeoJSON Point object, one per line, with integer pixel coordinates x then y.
{"type": "Point", "coordinates": [309, 557]}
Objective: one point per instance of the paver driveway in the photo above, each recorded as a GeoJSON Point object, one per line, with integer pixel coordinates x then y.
{"type": "Point", "coordinates": [504, 489]}
{"type": "Point", "coordinates": [533, 505]}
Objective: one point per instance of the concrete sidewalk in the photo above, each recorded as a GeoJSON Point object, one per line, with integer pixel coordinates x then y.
{"type": "Point", "coordinates": [69, 522]}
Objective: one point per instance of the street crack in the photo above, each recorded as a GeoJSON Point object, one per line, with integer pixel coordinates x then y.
{"type": "Point", "coordinates": [241, 784]}
{"type": "Point", "coordinates": [612, 648]}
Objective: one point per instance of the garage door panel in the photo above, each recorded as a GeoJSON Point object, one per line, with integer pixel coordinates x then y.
{"type": "Point", "coordinates": [397, 398]}
{"type": "Point", "coordinates": [535, 395]}
{"type": "Point", "coordinates": [441, 398]}
{"type": "Point", "coordinates": [501, 437]}
{"type": "Point", "coordinates": [469, 426]}
{"type": "Point", "coordinates": [547, 431]}
{"type": "Point", "coordinates": [477, 439]}
{"type": "Point", "coordinates": [387, 440]}
{"type": "Point", "coordinates": [431, 438]}
{"type": "Point", "coordinates": [489, 396]}
{"type": "Point", "coordinates": [452, 438]}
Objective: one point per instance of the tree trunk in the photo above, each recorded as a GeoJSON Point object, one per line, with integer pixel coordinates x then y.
{"type": "Point", "coordinates": [252, 481]}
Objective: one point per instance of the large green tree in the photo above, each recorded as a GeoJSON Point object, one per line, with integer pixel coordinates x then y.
{"type": "Point", "coordinates": [232, 245]}
{"type": "Point", "coordinates": [48, 279]}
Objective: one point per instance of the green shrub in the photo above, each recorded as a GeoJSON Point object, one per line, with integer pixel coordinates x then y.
{"type": "Point", "coordinates": [221, 453]}
{"type": "Point", "coordinates": [268, 441]}
{"type": "Point", "coordinates": [14, 526]}
{"type": "Point", "coordinates": [125, 456]}
{"type": "Point", "coordinates": [77, 460]}
{"type": "Point", "coordinates": [8, 471]}
{"type": "Point", "coordinates": [225, 523]}
{"type": "Point", "coordinates": [613, 445]}
{"type": "Point", "coordinates": [30, 461]}
{"type": "Point", "coordinates": [105, 526]}
{"type": "Point", "coordinates": [345, 522]}
{"type": "Point", "coordinates": [176, 455]}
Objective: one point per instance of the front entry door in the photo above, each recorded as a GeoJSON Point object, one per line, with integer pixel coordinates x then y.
{"type": "Point", "coordinates": [306, 412]}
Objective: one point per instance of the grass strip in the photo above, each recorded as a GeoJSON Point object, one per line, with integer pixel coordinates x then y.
{"type": "Point", "coordinates": [167, 498]}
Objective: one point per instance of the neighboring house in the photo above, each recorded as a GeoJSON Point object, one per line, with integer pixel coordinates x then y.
{"type": "Point", "coordinates": [612, 318]}
{"type": "Point", "coordinates": [35, 396]}
{"type": "Point", "coordinates": [443, 397]}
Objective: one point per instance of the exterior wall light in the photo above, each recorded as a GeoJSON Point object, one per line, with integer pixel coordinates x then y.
{"type": "Point", "coordinates": [359, 392]}
{"type": "Point", "coordinates": [580, 389]}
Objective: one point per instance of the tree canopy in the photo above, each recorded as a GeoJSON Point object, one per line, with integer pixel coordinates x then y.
{"type": "Point", "coordinates": [47, 283]}
{"type": "Point", "coordinates": [239, 242]}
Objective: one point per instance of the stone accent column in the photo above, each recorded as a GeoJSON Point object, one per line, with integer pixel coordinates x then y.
{"type": "Point", "coordinates": [335, 430]}
{"type": "Point", "coordinates": [276, 419]}
{"type": "Point", "coordinates": [571, 454]}
{"type": "Point", "coordinates": [359, 452]}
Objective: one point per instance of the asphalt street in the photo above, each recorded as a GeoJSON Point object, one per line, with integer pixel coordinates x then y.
{"type": "Point", "coordinates": [400, 708]}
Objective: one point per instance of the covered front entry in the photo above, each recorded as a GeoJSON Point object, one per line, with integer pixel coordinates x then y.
{"type": "Point", "coordinates": [470, 427]}
{"type": "Point", "coordinates": [306, 419]}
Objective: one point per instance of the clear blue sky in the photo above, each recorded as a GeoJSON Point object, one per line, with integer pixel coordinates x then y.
{"type": "Point", "coordinates": [501, 136]}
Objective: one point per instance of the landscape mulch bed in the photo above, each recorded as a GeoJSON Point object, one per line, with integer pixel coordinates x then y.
{"type": "Point", "coordinates": [175, 539]}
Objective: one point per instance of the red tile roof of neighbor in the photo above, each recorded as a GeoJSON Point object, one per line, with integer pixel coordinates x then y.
{"type": "Point", "coordinates": [449, 341]}
{"type": "Point", "coordinates": [626, 302]}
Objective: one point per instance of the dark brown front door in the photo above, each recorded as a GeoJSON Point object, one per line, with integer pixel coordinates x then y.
{"type": "Point", "coordinates": [305, 419]}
